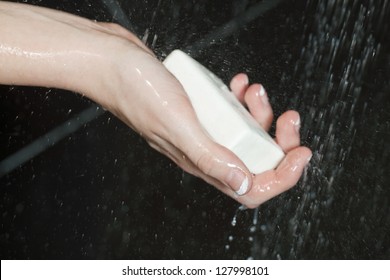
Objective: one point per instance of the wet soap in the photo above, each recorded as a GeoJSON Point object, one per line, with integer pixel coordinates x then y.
{"type": "Point", "coordinates": [223, 116]}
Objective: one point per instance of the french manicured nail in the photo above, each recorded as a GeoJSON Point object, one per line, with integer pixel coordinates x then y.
{"type": "Point", "coordinates": [297, 125]}
{"type": "Point", "coordinates": [245, 80]}
{"type": "Point", "coordinates": [263, 95]}
{"type": "Point", "coordinates": [243, 187]}
{"type": "Point", "coordinates": [238, 181]}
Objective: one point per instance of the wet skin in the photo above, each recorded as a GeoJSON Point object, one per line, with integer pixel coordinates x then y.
{"type": "Point", "coordinates": [110, 65]}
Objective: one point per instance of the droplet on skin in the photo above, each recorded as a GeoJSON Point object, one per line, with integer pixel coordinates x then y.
{"type": "Point", "coordinates": [294, 168]}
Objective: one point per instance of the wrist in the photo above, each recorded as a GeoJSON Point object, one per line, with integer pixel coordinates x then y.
{"type": "Point", "coordinates": [99, 73]}
{"type": "Point", "coordinates": [116, 80]}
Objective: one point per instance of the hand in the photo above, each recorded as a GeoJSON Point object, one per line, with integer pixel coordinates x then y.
{"type": "Point", "coordinates": [108, 64]}
{"type": "Point", "coordinates": [155, 105]}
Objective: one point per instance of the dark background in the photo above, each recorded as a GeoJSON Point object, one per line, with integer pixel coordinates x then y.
{"type": "Point", "coordinates": [102, 193]}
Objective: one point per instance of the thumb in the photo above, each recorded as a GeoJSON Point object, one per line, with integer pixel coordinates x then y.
{"type": "Point", "coordinates": [219, 163]}
{"type": "Point", "coordinates": [212, 162]}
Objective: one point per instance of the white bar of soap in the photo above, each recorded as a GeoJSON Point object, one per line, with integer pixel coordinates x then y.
{"type": "Point", "coordinates": [223, 116]}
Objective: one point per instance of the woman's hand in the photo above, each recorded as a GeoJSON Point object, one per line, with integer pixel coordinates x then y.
{"type": "Point", "coordinates": [103, 61]}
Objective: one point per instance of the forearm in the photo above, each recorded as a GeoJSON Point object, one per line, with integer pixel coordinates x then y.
{"type": "Point", "coordinates": [36, 50]}
{"type": "Point", "coordinates": [103, 61]}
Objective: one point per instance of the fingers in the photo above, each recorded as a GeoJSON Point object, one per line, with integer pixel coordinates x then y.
{"type": "Point", "coordinates": [272, 183]}
{"type": "Point", "coordinates": [287, 130]}
{"type": "Point", "coordinates": [239, 85]}
{"type": "Point", "coordinates": [254, 97]}
{"type": "Point", "coordinates": [191, 148]}
{"type": "Point", "coordinates": [219, 167]}
{"type": "Point", "coordinates": [257, 100]}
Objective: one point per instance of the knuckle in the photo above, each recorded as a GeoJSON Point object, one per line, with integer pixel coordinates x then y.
{"type": "Point", "coordinates": [204, 162]}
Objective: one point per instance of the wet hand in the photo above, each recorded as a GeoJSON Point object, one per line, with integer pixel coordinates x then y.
{"type": "Point", "coordinates": [157, 107]}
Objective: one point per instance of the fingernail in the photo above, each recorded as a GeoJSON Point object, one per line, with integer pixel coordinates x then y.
{"type": "Point", "coordinates": [297, 125]}
{"type": "Point", "coordinates": [245, 81]}
{"type": "Point", "coordinates": [263, 95]}
{"type": "Point", "coordinates": [238, 181]}
{"type": "Point", "coordinates": [244, 187]}
{"type": "Point", "coordinates": [309, 158]}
